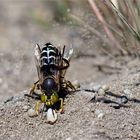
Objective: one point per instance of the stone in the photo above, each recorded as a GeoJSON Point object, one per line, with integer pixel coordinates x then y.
{"type": "Point", "coordinates": [32, 113]}
{"type": "Point", "coordinates": [101, 92]}
{"type": "Point", "coordinates": [105, 87]}
{"type": "Point", "coordinates": [76, 84]}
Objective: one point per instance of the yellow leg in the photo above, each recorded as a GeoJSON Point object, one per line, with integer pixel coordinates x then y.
{"type": "Point", "coordinates": [32, 89]}
{"type": "Point", "coordinates": [37, 107]}
{"type": "Point", "coordinates": [61, 105]}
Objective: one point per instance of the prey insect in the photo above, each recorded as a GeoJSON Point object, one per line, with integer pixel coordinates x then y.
{"type": "Point", "coordinates": [52, 64]}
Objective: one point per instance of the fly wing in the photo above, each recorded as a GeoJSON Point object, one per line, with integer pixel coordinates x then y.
{"type": "Point", "coordinates": [37, 52]}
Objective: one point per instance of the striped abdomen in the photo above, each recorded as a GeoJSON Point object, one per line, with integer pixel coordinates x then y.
{"type": "Point", "coordinates": [50, 57]}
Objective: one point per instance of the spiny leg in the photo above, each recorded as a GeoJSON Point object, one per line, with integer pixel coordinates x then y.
{"type": "Point", "coordinates": [42, 111]}
{"type": "Point", "coordinates": [61, 105]}
{"type": "Point", "coordinates": [70, 85]}
{"type": "Point", "coordinates": [34, 112]}
{"type": "Point", "coordinates": [33, 87]}
{"type": "Point", "coordinates": [37, 107]}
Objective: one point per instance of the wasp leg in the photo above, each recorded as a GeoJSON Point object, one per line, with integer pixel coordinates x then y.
{"type": "Point", "coordinates": [34, 112]}
{"type": "Point", "coordinates": [33, 87]}
{"type": "Point", "coordinates": [70, 85]}
{"type": "Point", "coordinates": [61, 109]}
{"type": "Point", "coordinates": [37, 107]}
{"type": "Point", "coordinates": [42, 111]}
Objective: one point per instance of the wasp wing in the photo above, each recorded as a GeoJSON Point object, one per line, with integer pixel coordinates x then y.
{"type": "Point", "coordinates": [66, 55]}
{"type": "Point", "coordinates": [37, 52]}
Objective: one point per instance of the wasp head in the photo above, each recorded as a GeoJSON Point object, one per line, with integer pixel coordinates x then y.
{"type": "Point", "coordinates": [49, 86]}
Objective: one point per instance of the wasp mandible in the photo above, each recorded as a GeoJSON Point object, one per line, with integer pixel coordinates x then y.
{"type": "Point", "coordinates": [52, 64]}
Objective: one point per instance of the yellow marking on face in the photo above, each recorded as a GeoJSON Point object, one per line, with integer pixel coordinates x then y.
{"type": "Point", "coordinates": [43, 98]}
{"type": "Point", "coordinates": [49, 102]}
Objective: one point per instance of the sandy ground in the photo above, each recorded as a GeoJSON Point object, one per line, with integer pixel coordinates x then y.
{"type": "Point", "coordinates": [106, 118]}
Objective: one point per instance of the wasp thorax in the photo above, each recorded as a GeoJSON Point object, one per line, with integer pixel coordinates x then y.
{"type": "Point", "coordinates": [49, 85]}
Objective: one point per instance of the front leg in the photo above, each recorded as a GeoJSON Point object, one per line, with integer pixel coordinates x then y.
{"type": "Point", "coordinates": [34, 86]}
{"type": "Point", "coordinates": [32, 89]}
{"type": "Point", "coordinates": [34, 112]}
{"type": "Point", "coordinates": [37, 107]}
{"type": "Point", "coordinates": [61, 108]}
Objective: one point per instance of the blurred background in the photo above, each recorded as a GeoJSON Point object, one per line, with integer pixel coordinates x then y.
{"type": "Point", "coordinates": [100, 31]}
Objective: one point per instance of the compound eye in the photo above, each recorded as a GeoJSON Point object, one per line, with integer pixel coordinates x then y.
{"type": "Point", "coordinates": [49, 85]}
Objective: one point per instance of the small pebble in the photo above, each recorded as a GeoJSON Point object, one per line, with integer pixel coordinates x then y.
{"type": "Point", "coordinates": [101, 92]}
{"type": "Point", "coordinates": [124, 99]}
{"type": "Point", "coordinates": [69, 138]}
{"type": "Point", "coordinates": [76, 84]}
{"type": "Point", "coordinates": [18, 103]}
{"type": "Point", "coordinates": [30, 123]}
{"type": "Point", "coordinates": [25, 108]}
{"type": "Point", "coordinates": [128, 93]}
{"type": "Point", "coordinates": [32, 113]}
{"type": "Point", "coordinates": [101, 115]}
{"type": "Point", "coordinates": [105, 87]}
{"type": "Point", "coordinates": [97, 111]}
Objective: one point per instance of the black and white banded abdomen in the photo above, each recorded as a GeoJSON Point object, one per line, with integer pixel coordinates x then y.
{"type": "Point", "coordinates": [50, 56]}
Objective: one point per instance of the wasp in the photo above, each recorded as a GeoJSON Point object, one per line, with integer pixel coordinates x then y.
{"type": "Point", "coordinates": [52, 64]}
